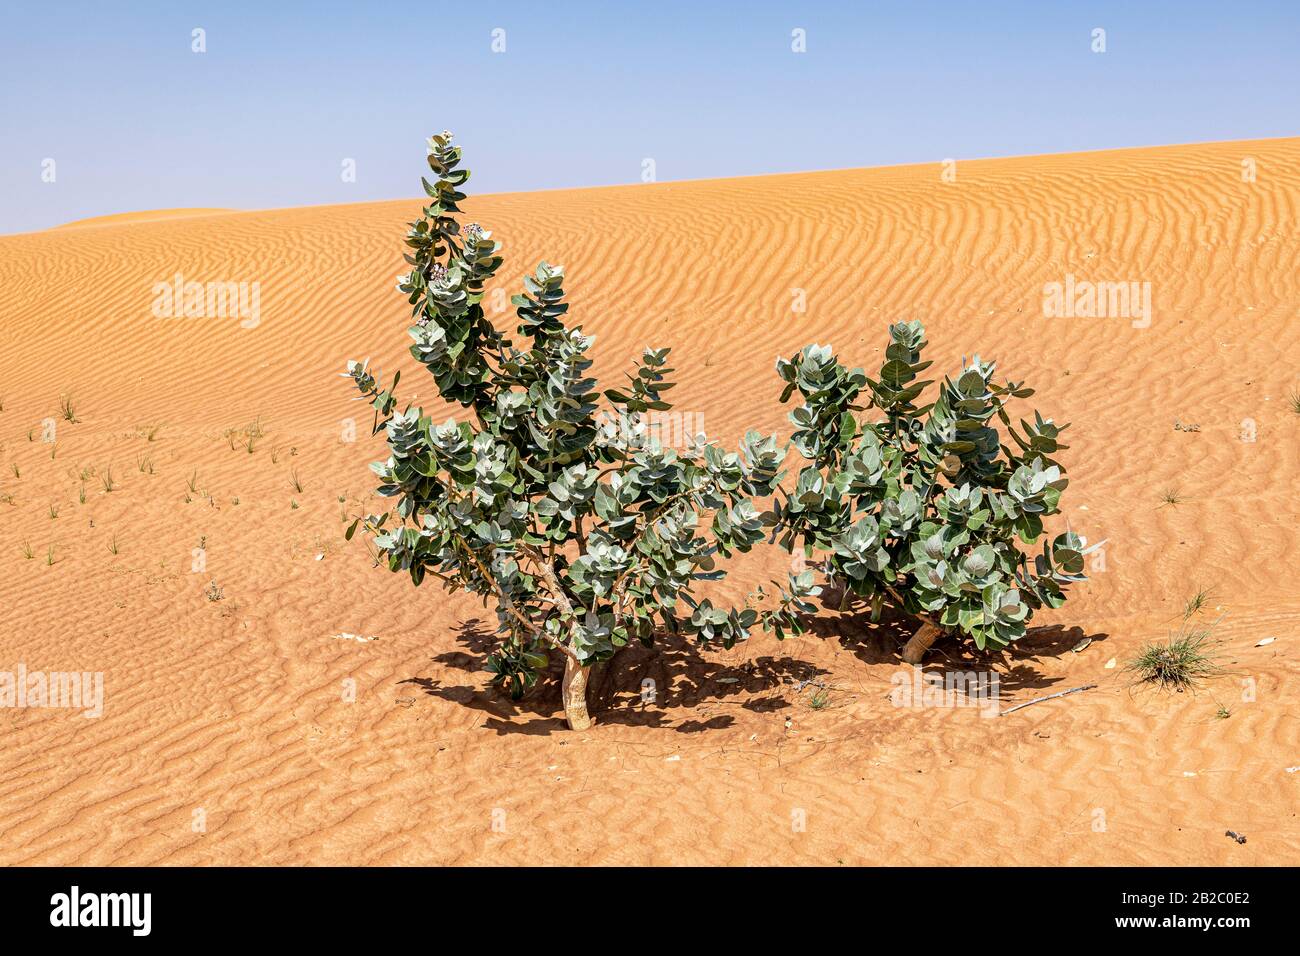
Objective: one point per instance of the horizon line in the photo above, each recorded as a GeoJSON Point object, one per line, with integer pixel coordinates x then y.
{"type": "Point", "coordinates": [90, 222]}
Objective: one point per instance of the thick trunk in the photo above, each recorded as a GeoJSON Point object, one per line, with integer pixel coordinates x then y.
{"type": "Point", "coordinates": [920, 643]}
{"type": "Point", "coordinates": [573, 691]}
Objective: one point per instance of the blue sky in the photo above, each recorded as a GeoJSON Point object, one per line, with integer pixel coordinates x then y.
{"type": "Point", "coordinates": [585, 91]}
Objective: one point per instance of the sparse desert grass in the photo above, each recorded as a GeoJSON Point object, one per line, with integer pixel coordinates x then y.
{"type": "Point", "coordinates": [106, 479]}
{"type": "Point", "coordinates": [817, 694]}
{"type": "Point", "coordinates": [214, 591]}
{"type": "Point", "coordinates": [6, 498]}
{"type": "Point", "coordinates": [193, 483]}
{"type": "Point", "coordinates": [247, 436]}
{"type": "Point", "coordinates": [295, 480]}
{"type": "Point", "coordinates": [112, 545]}
{"type": "Point", "coordinates": [1171, 496]}
{"type": "Point", "coordinates": [53, 450]}
{"type": "Point", "coordinates": [1196, 602]}
{"type": "Point", "coordinates": [1223, 713]}
{"type": "Point", "coordinates": [254, 429]}
{"type": "Point", "coordinates": [68, 409]}
{"type": "Point", "coordinates": [1181, 662]}
{"type": "Point", "coordinates": [144, 463]}
{"type": "Point", "coordinates": [15, 469]}
{"type": "Point", "coordinates": [28, 553]}
{"type": "Point", "coordinates": [81, 495]}
{"type": "Point", "coordinates": [49, 556]}
{"type": "Point", "coordinates": [820, 699]}
{"type": "Point", "coordinates": [149, 432]}
{"type": "Point", "coordinates": [1294, 401]}
{"type": "Point", "coordinates": [86, 473]}
{"type": "Point", "coordinates": [54, 512]}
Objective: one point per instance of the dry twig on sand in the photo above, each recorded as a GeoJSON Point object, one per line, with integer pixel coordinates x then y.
{"type": "Point", "coordinates": [1039, 700]}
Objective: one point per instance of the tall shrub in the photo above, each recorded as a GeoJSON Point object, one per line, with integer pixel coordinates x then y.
{"type": "Point", "coordinates": [539, 493]}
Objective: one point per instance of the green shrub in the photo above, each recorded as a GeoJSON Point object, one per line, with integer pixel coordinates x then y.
{"type": "Point", "coordinates": [924, 505]}
{"type": "Point", "coordinates": [539, 498]}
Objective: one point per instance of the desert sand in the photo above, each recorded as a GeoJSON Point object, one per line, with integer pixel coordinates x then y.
{"type": "Point", "coordinates": [228, 736]}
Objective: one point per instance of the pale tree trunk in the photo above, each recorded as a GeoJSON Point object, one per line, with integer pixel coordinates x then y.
{"type": "Point", "coordinates": [573, 691]}
{"type": "Point", "coordinates": [920, 643]}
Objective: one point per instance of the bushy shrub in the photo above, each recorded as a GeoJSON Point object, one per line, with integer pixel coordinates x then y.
{"type": "Point", "coordinates": [549, 500]}
{"type": "Point", "coordinates": [545, 497]}
{"type": "Point", "coordinates": [924, 506]}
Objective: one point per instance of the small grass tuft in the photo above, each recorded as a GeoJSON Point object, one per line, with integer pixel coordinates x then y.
{"type": "Point", "coordinates": [1196, 602]}
{"type": "Point", "coordinates": [246, 436]}
{"type": "Point", "coordinates": [28, 553]}
{"type": "Point", "coordinates": [193, 483]}
{"type": "Point", "coordinates": [106, 479]}
{"type": "Point", "coordinates": [54, 512]}
{"type": "Point", "coordinates": [1171, 496]}
{"type": "Point", "coordinates": [144, 463]}
{"type": "Point", "coordinates": [68, 409]}
{"type": "Point", "coordinates": [49, 556]}
{"type": "Point", "coordinates": [214, 591]}
{"type": "Point", "coordinates": [1180, 663]}
{"type": "Point", "coordinates": [295, 480]}
{"type": "Point", "coordinates": [112, 545]}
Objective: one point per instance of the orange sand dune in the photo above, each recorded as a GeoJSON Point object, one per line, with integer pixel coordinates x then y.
{"type": "Point", "coordinates": [150, 215]}
{"type": "Point", "coordinates": [227, 733]}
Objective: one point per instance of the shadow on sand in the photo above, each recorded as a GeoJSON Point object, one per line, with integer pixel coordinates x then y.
{"type": "Point", "coordinates": [679, 677]}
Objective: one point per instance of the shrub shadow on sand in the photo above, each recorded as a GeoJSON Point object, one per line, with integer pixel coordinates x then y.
{"type": "Point", "coordinates": [683, 679]}
{"type": "Point", "coordinates": [680, 677]}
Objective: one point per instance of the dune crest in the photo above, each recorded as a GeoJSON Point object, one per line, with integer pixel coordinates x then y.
{"type": "Point", "coordinates": [145, 215]}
